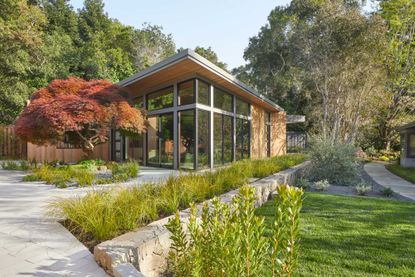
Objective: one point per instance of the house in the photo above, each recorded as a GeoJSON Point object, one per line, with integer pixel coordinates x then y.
{"type": "Point", "coordinates": [199, 116]}
{"type": "Point", "coordinates": [407, 133]}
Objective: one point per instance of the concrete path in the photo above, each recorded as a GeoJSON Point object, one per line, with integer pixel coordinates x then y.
{"type": "Point", "coordinates": [385, 178]}
{"type": "Point", "coordinates": [33, 245]}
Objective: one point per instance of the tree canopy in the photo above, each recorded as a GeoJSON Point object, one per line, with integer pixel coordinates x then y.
{"type": "Point", "coordinates": [78, 112]}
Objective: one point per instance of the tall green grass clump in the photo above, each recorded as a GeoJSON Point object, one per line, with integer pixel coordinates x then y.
{"type": "Point", "coordinates": [231, 241]}
{"type": "Point", "coordinates": [133, 208]}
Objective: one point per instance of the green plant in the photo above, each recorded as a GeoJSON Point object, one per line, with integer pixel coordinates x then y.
{"type": "Point", "coordinates": [122, 172]}
{"type": "Point", "coordinates": [363, 188]}
{"type": "Point", "coordinates": [384, 158]}
{"type": "Point", "coordinates": [335, 162]}
{"type": "Point", "coordinates": [84, 177]}
{"type": "Point", "coordinates": [16, 165]}
{"type": "Point", "coordinates": [303, 183]}
{"type": "Point", "coordinates": [322, 185]}
{"type": "Point", "coordinates": [230, 241]}
{"type": "Point", "coordinates": [387, 192]}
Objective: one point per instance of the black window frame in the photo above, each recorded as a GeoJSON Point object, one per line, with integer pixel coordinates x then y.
{"type": "Point", "coordinates": [148, 95]}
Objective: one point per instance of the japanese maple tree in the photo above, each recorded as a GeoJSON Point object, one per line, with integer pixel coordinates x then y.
{"type": "Point", "coordinates": [78, 112]}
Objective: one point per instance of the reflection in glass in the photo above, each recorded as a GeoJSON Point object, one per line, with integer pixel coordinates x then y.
{"type": "Point", "coordinates": [242, 107]}
{"type": "Point", "coordinates": [134, 145]}
{"type": "Point", "coordinates": [242, 139]}
{"type": "Point", "coordinates": [186, 92]}
{"type": "Point", "coordinates": [138, 102]}
{"type": "Point", "coordinates": [203, 93]}
{"type": "Point", "coordinates": [160, 99]}
{"type": "Point", "coordinates": [217, 139]}
{"type": "Point", "coordinates": [160, 140]}
{"type": "Point", "coordinates": [268, 134]}
{"type": "Point", "coordinates": [227, 139]}
{"type": "Point", "coordinates": [223, 100]}
{"type": "Point", "coordinates": [203, 139]}
{"type": "Point", "coordinates": [187, 139]}
{"type": "Point", "coordinates": [223, 139]}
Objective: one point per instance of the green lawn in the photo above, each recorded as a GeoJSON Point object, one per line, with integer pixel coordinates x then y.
{"type": "Point", "coordinates": [354, 236]}
{"type": "Point", "coordinates": [405, 173]}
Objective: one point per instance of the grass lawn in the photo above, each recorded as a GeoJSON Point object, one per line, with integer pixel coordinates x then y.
{"type": "Point", "coordinates": [405, 173]}
{"type": "Point", "coordinates": [354, 236]}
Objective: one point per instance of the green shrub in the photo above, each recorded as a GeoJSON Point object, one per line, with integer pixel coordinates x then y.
{"type": "Point", "coordinates": [387, 192]}
{"type": "Point", "coordinates": [124, 171]}
{"type": "Point", "coordinates": [321, 185]}
{"type": "Point", "coordinates": [363, 188]}
{"type": "Point", "coordinates": [335, 162]}
{"type": "Point", "coordinates": [303, 183]}
{"type": "Point", "coordinates": [231, 240]}
{"type": "Point", "coordinates": [84, 177]}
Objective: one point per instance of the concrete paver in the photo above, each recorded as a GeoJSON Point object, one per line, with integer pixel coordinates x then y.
{"type": "Point", "coordinates": [32, 244]}
{"type": "Point", "coordinates": [385, 178]}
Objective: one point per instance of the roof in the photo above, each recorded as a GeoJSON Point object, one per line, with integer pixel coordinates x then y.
{"type": "Point", "coordinates": [190, 55]}
{"type": "Point", "coordinates": [407, 126]}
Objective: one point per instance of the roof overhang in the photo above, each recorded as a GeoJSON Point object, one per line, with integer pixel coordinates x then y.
{"type": "Point", "coordinates": [294, 118]}
{"type": "Point", "coordinates": [188, 63]}
{"type": "Point", "coordinates": [407, 126]}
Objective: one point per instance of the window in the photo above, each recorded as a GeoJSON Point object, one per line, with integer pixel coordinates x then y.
{"type": "Point", "coordinates": [66, 145]}
{"type": "Point", "coordinates": [160, 140]}
{"type": "Point", "coordinates": [411, 145]}
{"type": "Point", "coordinates": [138, 102]}
{"type": "Point", "coordinates": [203, 93]}
{"type": "Point", "coordinates": [186, 92]}
{"type": "Point", "coordinates": [268, 134]}
{"type": "Point", "coordinates": [203, 139]}
{"type": "Point", "coordinates": [187, 139]}
{"type": "Point", "coordinates": [223, 139]}
{"type": "Point", "coordinates": [134, 147]}
{"type": "Point", "coordinates": [160, 99]}
{"type": "Point", "coordinates": [242, 107]}
{"type": "Point", "coordinates": [243, 127]}
{"type": "Point", "coordinates": [223, 100]}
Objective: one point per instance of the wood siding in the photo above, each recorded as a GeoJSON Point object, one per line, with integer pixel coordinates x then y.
{"type": "Point", "coordinates": [10, 145]}
{"type": "Point", "coordinates": [278, 133]}
{"type": "Point", "coordinates": [50, 153]}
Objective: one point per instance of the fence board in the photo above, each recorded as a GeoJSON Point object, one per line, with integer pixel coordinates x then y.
{"type": "Point", "coordinates": [11, 146]}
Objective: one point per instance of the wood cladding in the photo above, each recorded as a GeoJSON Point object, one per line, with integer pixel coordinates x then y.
{"type": "Point", "coordinates": [48, 153]}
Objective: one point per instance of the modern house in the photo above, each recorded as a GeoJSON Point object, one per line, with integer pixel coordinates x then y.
{"type": "Point", "coordinates": [199, 116]}
{"type": "Point", "coordinates": [407, 145]}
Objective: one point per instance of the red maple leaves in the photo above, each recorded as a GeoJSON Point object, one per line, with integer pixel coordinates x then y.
{"type": "Point", "coordinates": [78, 112]}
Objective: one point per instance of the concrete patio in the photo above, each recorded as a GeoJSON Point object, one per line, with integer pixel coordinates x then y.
{"type": "Point", "coordinates": [32, 244]}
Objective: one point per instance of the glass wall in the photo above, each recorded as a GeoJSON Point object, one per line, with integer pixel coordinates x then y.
{"type": "Point", "coordinates": [134, 147]}
{"type": "Point", "coordinates": [186, 92]}
{"type": "Point", "coordinates": [187, 139]}
{"type": "Point", "coordinates": [223, 100]}
{"type": "Point", "coordinates": [242, 107]}
{"type": "Point", "coordinates": [242, 144]}
{"type": "Point", "coordinates": [223, 139]}
{"type": "Point", "coordinates": [203, 91]}
{"type": "Point", "coordinates": [160, 99]}
{"type": "Point", "coordinates": [160, 140]}
{"type": "Point", "coordinates": [203, 140]}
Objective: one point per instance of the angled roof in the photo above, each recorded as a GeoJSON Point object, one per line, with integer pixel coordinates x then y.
{"type": "Point", "coordinates": [189, 59]}
{"type": "Point", "coordinates": [407, 126]}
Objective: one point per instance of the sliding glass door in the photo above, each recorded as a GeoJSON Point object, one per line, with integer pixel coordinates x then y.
{"type": "Point", "coordinates": [160, 143]}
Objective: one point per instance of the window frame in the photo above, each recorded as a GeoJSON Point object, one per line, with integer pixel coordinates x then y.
{"type": "Point", "coordinates": [148, 95]}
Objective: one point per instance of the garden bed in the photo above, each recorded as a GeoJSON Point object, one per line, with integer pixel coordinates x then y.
{"type": "Point", "coordinates": [405, 173]}
{"type": "Point", "coordinates": [102, 215]}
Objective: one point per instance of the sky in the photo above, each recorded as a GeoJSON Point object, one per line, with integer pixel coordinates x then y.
{"type": "Point", "coordinates": [225, 25]}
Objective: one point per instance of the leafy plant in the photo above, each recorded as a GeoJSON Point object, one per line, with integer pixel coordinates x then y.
{"type": "Point", "coordinates": [322, 185]}
{"type": "Point", "coordinates": [303, 183]}
{"type": "Point", "coordinates": [230, 241]}
{"type": "Point", "coordinates": [84, 177]}
{"type": "Point", "coordinates": [387, 192]}
{"type": "Point", "coordinates": [335, 162]}
{"type": "Point", "coordinates": [124, 171]}
{"type": "Point", "coordinates": [363, 188]}
{"type": "Point", "coordinates": [16, 165]}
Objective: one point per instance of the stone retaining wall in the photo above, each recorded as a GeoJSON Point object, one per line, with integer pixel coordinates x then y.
{"type": "Point", "coordinates": [146, 249]}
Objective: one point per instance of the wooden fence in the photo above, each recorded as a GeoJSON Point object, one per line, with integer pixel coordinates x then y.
{"type": "Point", "coordinates": [11, 146]}
{"type": "Point", "coordinates": [296, 141]}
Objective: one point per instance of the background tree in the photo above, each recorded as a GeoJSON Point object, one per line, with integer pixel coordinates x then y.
{"type": "Point", "coordinates": [400, 66]}
{"type": "Point", "coordinates": [321, 59]}
{"type": "Point", "coordinates": [78, 112]}
{"type": "Point", "coordinates": [20, 41]}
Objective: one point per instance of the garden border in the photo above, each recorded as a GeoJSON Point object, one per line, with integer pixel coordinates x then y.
{"type": "Point", "coordinates": [146, 249]}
